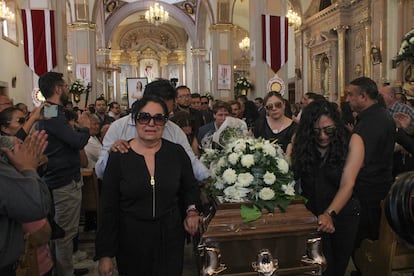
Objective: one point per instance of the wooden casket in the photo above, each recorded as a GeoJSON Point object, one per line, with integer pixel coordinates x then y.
{"type": "Point", "coordinates": [237, 245]}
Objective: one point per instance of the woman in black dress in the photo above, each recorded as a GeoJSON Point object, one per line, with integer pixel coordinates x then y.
{"type": "Point", "coordinates": [319, 158]}
{"type": "Point", "coordinates": [140, 219]}
{"type": "Point", "coordinates": [276, 125]}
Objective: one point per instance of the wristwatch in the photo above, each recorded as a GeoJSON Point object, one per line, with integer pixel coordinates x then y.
{"type": "Point", "coordinates": [331, 213]}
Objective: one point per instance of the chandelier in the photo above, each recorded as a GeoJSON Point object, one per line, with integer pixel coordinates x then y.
{"type": "Point", "coordinates": [244, 45]}
{"type": "Point", "coordinates": [156, 15]}
{"type": "Point", "coordinates": [5, 12]}
{"type": "Point", "coordinates": [293, 18]}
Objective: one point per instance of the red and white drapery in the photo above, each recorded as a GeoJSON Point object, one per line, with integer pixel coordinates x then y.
{"type": "Point", "coordinates": [39, 40]}
{"type": "Point", "coordinates": [275, 40]}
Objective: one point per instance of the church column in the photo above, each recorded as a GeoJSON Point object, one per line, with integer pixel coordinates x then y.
{"type": "Point", "coordinates": [299, 65]}
{"type": "Point", "coordinates": [199, 74]}
{"type": "Point", "coordinates": [367, 60]}
{"type": "Point", "coordinates": [81, 37]}
{"type": "Point", "coordinates": [221, 47]}
{"type": "Point", "coordinates": [341, 31]}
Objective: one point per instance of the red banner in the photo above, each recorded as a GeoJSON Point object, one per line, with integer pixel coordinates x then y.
{"type": "Point", "coordinates": [39, 40]}
{"type": "Point", "coordinates": [275, 41]}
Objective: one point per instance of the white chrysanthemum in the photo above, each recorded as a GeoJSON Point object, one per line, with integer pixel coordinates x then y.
{"type": "Point", "coordinates": [230, 176]}
{"type": "Point", "coordinates": [245, 179]}
{"type": "Point", "coordinates": [269, 178]}
{"type": "Point", "coordinates": [283, 166]}
{"type": "Point", "coordinates": [269, 149]}
{"type": "Point", "coordinates": [239, 145]}
{"type": "Point", "coordinates": [233, 158]}
{"type": "Point", "coordinates": [259, 145]}
{"type": "Point", "coordinates": [289, 189]}
{"type": "Point", "coordinates": [222, 162]}
{"type": "Point", "coordinates": [266, 193]}
{"type": "Point", "coordinates": [247, 160]}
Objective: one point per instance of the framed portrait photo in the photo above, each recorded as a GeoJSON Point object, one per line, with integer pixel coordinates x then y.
{"type": "Point", "coordinates": [9, 26]}
{"type": "Point", "coordinates": [135, 89]}
{"type": "Point", "coordinates": [224, 77]}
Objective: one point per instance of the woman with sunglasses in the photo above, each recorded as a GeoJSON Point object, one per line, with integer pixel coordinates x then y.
{"type": "Point", "coordinates": [140, 222]}
{"type": "Point", "coordinates": [319, 158]}
{"type": "Point", "coordinates": [275, 126]}
{"type": "Point", "coordinates": [13, 121]}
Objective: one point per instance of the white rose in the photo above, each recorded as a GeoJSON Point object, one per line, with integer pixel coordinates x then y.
{"type": "Point", "coordinates": [266, 193]}
{"type": "Point", "coordinates": [412, 40]}
{"type": "Point", "coordinates": [245, 179]}
{"type": "Point", "coordinates": [269, 178]}
{"type": "Point", "coordinates": [289, 189]}
{"type": "Point", "coordinates": [233, 158]}
{"type": "Point", "coordinates": [230, 176]}
{"type": "Point", "coordinates": [269, 149]}
{"type": "Point", "coordinates": [247, 160]}
{"type": "Point", "coordinates": [283, 166]}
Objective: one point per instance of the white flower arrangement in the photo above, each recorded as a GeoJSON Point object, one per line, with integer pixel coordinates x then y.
{"type": "Point", "coordinates": [77, 87]}
{"type": "Point", "coordinates": [406, 51]}
{"type": "Point", "coordinates": [243, 83]}
{"type": "Point", "coordinates": [251, 170]}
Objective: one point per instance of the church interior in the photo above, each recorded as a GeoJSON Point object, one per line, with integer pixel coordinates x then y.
{"type": "Point", "coordinates": [211, 46]}
{"type": "Point", "coordinates": [108, 44]}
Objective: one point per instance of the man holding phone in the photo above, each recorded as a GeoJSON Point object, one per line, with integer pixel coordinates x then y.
{"type": "Point", "coordinates": [63, 171]}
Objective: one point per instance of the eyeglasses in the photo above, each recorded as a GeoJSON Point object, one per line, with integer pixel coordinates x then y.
{"type": "Point", "coordinates": [274, 105]}
{"type": "Point", "coordinates": [328, 130]}
{"type": "Point", "coordinates": [20, 120]}
{"type": "Point", "coordinates": [145, 118]}
{"type": "Point", "coordinates": [184, 96]}
{"type": "Point", "coordinates": [204, 103]}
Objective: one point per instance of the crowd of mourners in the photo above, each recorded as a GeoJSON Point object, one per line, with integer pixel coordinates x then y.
{"type": "Point", "coordinates": [146, 159]}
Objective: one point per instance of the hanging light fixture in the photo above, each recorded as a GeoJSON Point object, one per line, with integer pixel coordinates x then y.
{"type": "Point", "coordinates": [156, 15]}
{"type": "Point", "coordinates": [244, 45]}
{"type": "Point", "coordinates": [293, 18]}
{"type": "Point", "coordinates": [5, 12]}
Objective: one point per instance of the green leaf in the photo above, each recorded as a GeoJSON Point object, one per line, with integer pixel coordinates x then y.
{"type": "Point", "coordinates": [283, 204]}
{"type": "Point", "coordinates": [250, 214]}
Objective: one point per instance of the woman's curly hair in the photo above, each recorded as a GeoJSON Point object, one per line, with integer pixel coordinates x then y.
{"type": "Point", "coordinates": [305, 154]}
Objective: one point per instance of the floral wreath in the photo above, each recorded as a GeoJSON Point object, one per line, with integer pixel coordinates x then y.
{"type": "Point", "coordinates": [243, 83]}
{"type": "Point", "coordinates": [406, 51]}
{"type": "Point", "coordinates": [77, 87]}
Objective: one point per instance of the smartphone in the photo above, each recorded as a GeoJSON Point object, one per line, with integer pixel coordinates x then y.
{"type": "Point", "coordinates": [50, 111]}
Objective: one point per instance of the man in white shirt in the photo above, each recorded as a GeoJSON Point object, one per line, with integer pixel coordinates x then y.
{"type": "Point", "coordinates": [124, 129]}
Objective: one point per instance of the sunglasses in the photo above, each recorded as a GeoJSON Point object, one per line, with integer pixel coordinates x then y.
{"type": "Point", "coordinates": [20, 120]}
{"type": "Point", "coordinates": [145, 118]}
{"type": "Point", "coordinates": [204, 103]}
{"type": "Point", "coordinates": [329, 130]}
{"type": "Point", "coordinates": [274, 105]}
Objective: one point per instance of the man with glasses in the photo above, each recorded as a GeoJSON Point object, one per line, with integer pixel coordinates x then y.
{"type": "Point", "coordinates": [205, 110]}
{"type": "Point", "coordinates": [183, 103]}
{"type": "Point", "coordinates": [124, 129]}
{"type": "Point", "coordinates": [63, 171]}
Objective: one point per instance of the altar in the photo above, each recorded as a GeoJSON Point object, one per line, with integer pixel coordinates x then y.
{"type": "Point", "coordinates": [229, 246]}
